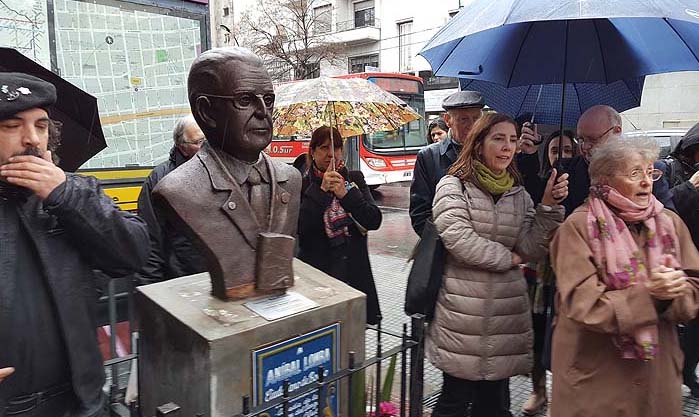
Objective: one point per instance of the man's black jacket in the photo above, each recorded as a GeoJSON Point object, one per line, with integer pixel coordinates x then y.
{"type": "Point", "coordinates": [172, 253]}
{"type": "Point", "coordinates": [431, 165]}
{"type": "Point", "coordinates": [76, 230]}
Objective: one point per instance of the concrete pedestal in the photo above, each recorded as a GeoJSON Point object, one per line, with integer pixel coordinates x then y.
{"type": "Point", "coordinates": [196, 351]}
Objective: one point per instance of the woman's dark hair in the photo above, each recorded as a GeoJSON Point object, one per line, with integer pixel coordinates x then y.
{"type": "Point", "coordinates": [546, 167]}
{"type": "Point", "coordinates": [318, 137]}
{"type": "Point", "coordinates": [440, 123]}
{"type": "Point", "coordinates": [463, 167]}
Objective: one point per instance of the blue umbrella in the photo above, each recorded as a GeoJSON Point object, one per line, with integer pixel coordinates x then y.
{"type": "Point", "coordinates": [525, 42]}
{"type": "Point", "coordinates": [528, 42]}
{"type": "Point", "coordinates": [544, 101]}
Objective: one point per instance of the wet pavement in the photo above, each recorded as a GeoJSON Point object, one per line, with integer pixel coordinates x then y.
{"type": "Point", "coordinates": [389, 249]}
{"type": "Point", "coordinates": [396, 236]}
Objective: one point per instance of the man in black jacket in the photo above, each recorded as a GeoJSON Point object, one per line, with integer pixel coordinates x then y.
{"type": "Point", "coordinates": [55, 229]}
{"type": "Point", "coordinates": [172, 254]}
{"type": "Point", "coordinates": [463, 109]}
{"type": "Point", "coordinates": [681, 169]}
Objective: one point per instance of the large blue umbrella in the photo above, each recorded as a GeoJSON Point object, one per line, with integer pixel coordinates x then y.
{"type": "Point", "coordinates": [525, 42]}
{"type": "Point", "coordinates": [544, 101]}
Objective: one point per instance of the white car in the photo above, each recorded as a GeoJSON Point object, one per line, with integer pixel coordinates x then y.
{"type": "Point", "coordinates": [666, 138]}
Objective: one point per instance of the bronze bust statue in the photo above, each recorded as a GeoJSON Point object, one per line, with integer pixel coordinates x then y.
{"type": "Point", "coordinates": [238, 205]}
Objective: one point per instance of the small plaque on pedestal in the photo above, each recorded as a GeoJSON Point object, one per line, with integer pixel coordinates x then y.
{"type": "Point", "coordinates": [279, 306]}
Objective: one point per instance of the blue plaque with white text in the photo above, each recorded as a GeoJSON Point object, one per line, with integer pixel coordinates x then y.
{"type": "Point", "coordinates": [297, 360]}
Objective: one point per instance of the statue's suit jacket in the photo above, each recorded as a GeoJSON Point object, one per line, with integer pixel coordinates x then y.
{"type": "Point", "coordinates": [208, 205]}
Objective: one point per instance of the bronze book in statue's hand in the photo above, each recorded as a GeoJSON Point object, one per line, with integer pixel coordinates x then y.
{"type": "Point", "coordinates": [273, 269]}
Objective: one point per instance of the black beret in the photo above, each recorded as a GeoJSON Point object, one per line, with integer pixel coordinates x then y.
{"type": "Point", "coordinates": [464, 100]}
{"type": "Point", "coordinates": [20, 92]}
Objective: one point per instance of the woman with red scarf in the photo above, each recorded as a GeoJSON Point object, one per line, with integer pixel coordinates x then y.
{"type": "Point", "coordinates": [627, 273]}
{"type": "Point", "coordinates": [337, 210]}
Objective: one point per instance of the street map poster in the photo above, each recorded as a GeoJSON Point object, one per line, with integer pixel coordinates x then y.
{"type": "Point", "coordinates": [134, 59]}
{"type": "Point", "coordinates": [24, 27]}
{"type": "Point", "coordinates": [297, 360]}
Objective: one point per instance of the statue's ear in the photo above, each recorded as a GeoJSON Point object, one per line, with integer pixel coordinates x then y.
{"type": "Point", "coordinates": [203, 112]}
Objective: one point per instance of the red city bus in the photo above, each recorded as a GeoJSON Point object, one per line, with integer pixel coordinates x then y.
{"type": "Point", "coordinates": [383, 157]}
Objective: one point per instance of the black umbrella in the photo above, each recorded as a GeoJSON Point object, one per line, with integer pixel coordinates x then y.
{"type": "Point", "coordinates": [81, 134]}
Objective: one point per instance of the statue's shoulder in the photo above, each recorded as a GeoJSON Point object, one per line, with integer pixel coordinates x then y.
{"type": "Point", "coordinates": [286, 173]}
{"type": "Point", "coordinates": [185, 175]}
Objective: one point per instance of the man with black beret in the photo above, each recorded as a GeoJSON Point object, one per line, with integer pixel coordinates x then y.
{"type": "Point", "coordinates": [463, 109]}
{"type": "Point", "coordinates": [55, 229]}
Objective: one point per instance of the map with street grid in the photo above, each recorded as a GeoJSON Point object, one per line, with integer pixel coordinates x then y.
{"type": "Point", "coordinates": [134, 61]}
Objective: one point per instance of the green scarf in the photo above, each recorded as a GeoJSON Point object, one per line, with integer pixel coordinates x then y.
{"type": "Point", "coordinates": [494, 184]}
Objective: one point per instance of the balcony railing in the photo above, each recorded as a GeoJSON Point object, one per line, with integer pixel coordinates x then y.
{"type": "Point", "coordinates": [355, 24]}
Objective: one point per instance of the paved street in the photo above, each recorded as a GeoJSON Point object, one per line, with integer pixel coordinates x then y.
{"type": "Point", "coordinates": [389, 249]}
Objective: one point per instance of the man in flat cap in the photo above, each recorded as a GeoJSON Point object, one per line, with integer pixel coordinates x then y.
{"type": "Point", "coordinates": [463, 109]}
{"type": "Point", "coordinates": [55, 229]}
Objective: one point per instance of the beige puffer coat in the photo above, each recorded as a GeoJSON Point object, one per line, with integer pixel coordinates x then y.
{"type": "Point", "coordinates": [482, 325]}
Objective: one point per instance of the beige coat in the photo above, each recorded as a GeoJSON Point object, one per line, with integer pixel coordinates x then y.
{"type": "Point", "coordinates": [482, 325]}
{"type": "Point", "coordinates": [589, 377]}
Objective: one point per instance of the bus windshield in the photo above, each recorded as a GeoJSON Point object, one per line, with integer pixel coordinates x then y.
{"type": "Point", "coordinates": [410, 135]}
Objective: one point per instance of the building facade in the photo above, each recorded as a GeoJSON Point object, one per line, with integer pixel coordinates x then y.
{"type": "Point", "coordinates": [386, 35]}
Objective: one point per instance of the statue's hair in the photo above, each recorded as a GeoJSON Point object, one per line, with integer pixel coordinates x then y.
{"type": "Point", "coordinates": [207, 73]}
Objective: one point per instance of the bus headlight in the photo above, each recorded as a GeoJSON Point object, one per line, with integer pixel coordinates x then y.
{"type": "Point", "coordinates": [375, 162]}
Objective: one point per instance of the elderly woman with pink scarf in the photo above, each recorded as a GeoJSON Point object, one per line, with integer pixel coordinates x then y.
{"type": "Point", "coordinates": [627, 273]}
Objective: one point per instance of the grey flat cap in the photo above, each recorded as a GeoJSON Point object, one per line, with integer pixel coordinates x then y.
{"type": "Point", "coordinates": [464, 100]}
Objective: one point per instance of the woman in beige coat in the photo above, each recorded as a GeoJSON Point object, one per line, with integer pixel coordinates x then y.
{"type": "Point", "coordinates": [619, 263]}
{"type": "Point", "coordinates": [481, 333]}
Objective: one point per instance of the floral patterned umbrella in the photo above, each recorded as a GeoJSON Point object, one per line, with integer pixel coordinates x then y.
{"type": "Point", "coordinates": [354, 105]}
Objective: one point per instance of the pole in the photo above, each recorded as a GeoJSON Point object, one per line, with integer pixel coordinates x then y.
{"type": "Point", "coordinates": [332, 140]}
{"type": "Point", "coordinates": [563, 97]}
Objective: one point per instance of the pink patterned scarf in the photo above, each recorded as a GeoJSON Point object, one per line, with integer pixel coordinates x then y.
{"type": "Point", "coordinates": [618, 258]}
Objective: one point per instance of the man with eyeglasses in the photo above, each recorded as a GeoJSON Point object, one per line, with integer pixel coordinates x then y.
{"type": "Point", "coordinates": [172, 254]}
{"type": "Point", "coordinates": [596, 126]}
{"type": "Point", "coordinates": [238, 205]}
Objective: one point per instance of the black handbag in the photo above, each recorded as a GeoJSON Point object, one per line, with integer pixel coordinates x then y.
{"type": "Point", "coordinates": [425, 277]}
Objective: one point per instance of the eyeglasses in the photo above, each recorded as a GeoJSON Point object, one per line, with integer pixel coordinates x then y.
{"type": "Point", "coordinates": [244, 101]}
{"type": "Point", "coordinates": [639, 174]}
{"type": "Point", "coordinates": [197, 142]}
{"type": "Point", "coordinates": [596, 140]}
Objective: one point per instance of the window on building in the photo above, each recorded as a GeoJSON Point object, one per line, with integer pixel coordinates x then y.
{"type": "Point", "coordinates": [358, 63]}
{"type": "Point", "coordinates": [322, 19]}
{"type": "Point", "coordinates": [431, 82]}
{"type": "Point", "coordinates": [364, 13]}
{"type": "Point", "coordinates": [405, 49]}
{"type": "Point", "coordinates": [226, 11]}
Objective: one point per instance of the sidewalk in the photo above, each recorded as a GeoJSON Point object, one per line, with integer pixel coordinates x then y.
{"type": "Point", "coordinates": [391, 274]}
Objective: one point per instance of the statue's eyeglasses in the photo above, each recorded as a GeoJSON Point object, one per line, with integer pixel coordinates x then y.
{"type": "Point", "coordinates": [246, 100]}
